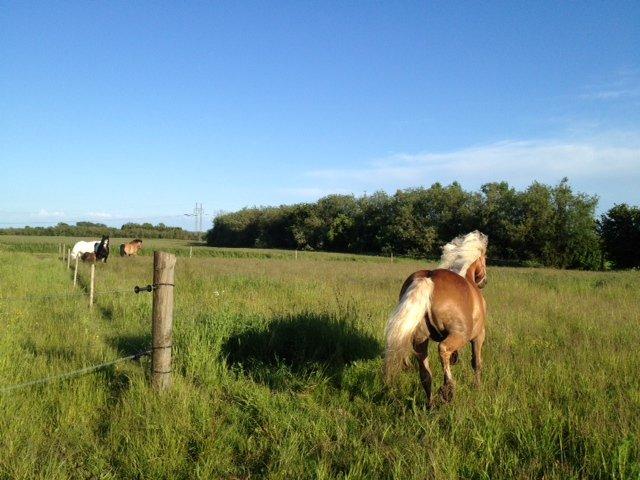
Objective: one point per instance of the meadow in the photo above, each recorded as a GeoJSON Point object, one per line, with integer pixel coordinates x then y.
{"type": "Point", "coordinates": [277, 372]}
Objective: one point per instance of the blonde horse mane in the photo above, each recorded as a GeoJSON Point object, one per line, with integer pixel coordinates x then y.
{"type": "Point", "coordinates": [462, 251]}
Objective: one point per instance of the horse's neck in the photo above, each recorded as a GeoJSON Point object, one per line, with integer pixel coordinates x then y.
{"type": "Point", "coordinates": [471, 273]}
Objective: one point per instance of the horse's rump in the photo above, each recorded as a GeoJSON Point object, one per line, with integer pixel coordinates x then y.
{"type": "Point", "coordinates": [405, 321]}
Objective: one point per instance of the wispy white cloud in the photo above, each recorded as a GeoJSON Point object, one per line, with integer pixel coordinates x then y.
{"type": "Point", "coordinates": [44, 213]}
{"type": "Point", "coordinates": [313, 192]}
{"type": "Point", "coordinates": [516, 160]}
{"type": "Point", "coordinates": [607, 164]}
{"type": "Point", "coordinates": [100, 215]}
{"type": "Point", "coordinates": [624, 84]}
{"type": "Point", "coordinates": [612, 94]}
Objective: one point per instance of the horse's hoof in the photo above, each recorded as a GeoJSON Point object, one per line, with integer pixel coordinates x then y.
{"type": "Point", "coordinates": [446, 393]}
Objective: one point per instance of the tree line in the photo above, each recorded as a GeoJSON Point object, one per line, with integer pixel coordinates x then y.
{"type": "Point", "coordinates": [91, 229]}
{"type": "Point", "coordinates": [540, 225]}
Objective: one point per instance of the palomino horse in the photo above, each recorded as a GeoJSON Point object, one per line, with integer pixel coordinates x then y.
{"type": "Point", "coordinates": [131, 248]}
{"type": "Point", "coordinates": [99, 247]}
{"type": "Point", "coordinates": [444, 305]}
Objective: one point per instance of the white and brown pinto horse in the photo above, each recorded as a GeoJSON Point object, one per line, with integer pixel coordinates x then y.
{"type": "Point", "coordinates": [444, 305]}
{"type": "Point", "coordinates": [99, 247]}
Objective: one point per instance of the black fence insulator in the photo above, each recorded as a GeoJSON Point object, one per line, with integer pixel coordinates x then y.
{"type": "Point", "coordinates": [148, 288]}
{"type": "Point", "coordinates": [151, 288]}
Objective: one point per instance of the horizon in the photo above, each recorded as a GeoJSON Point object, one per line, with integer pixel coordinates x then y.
{"type": "Point", "coordinates": [119, 112]}
{"type": "Point", "coordinates": [118, 223]}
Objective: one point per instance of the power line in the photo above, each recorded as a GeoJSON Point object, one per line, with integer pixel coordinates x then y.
{"type": "Point", "coordinates": [198, 213]}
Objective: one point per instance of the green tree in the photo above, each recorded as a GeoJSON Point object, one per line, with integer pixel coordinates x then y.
{"type": "Point", "coordinates": [501, 212]}
{"type": "Point", "coordinates": [575, 237]}
{"type": "Point", "coordinates": [620, 232]}
{"type": "Point", "coordinates": [550, 225]}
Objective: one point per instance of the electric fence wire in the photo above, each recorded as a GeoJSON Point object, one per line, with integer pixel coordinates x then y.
{"type": "Point", "coordinates": [63, 295]}
{"type": "Point", "coordinates": [75, 373]}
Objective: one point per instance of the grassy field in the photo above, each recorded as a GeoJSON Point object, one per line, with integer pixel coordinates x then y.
{"type": "Point", "coordinates": [35, 244]}
{"type": "Point", "coordinates": [278, 373]}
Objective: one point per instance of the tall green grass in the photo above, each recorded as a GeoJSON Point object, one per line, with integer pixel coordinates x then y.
{"type": "Point", "coordinates": [278, 375]}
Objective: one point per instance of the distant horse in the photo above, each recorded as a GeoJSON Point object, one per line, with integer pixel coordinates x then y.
{"type": "Point", "coordinates": [88, 257]}
{"type": "Point", "coordinates": [131, 248]}
{"type": "Point", "coordinates": [446, 306]}
{"type": "Point", "coordinates": [99, 247]}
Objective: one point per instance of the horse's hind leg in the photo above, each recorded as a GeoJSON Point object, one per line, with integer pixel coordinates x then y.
{"type": "Point", "coordinates": [423, 366]}
{"type": "Point", "coordinates": [476, 357]}
{"type": "Point", "coordinates": [447, 348]}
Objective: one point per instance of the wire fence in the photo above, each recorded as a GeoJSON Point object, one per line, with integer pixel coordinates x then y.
{"type": "Point", "coordinates": [73, 374]}
{"type": "Point", "coordinates": [86, 370]}
{"type": "Point", "coordinates": [62, 295]}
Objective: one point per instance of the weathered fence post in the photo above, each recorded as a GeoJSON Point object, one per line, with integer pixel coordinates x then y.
{"type": "Point", "coordinates": [59, 250]}
{"type": "Point", "coordinates": [162, 338]}
{"type": "Point", "coordinates": [391, 257]}
{"type": "Point", "coordinates": [93, 277]}
{"type": "Point", "coordinates": [190, 251]}
{"type": "Point", "coordinates": [68, 258]}
{"type": "Point", "coordinates": [296, 254]}
{"type": "Point", "coordinates": [75, 273]}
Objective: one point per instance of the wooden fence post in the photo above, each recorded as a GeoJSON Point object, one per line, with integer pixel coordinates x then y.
{"type": "Point", "coordinates": [190, 251]}
{"type": "Point", "coordinates": [68, 258]}
{"type": "Point", "coordinates": [59, 250]}
{"type": "Point", "coordinates": [75, 273]}
{"type": "Point", "coordinates": [162, 337]}
{"type": "Point", "coordinates": [296, 254]}
{"type": "Point", "coordinates": [93, 277]}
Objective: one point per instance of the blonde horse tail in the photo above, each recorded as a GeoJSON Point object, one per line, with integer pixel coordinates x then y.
{"type": "Point", "coordinates": [402, 324]}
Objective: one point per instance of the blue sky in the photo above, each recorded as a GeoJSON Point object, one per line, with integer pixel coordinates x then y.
{"type": "Point", "coordinates": [134, 111]}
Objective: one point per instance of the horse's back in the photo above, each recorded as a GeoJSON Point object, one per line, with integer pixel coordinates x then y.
{"type": "Point", "coordinates": [456, 303]}
{"type": "Point", "coordinates": [83, 246]}
{"type": "Point", "coordinates": [449, 282]}
{"type": "Point", "coordinates": [452, 305]}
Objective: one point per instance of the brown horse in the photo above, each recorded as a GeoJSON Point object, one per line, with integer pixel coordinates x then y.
{"type": "Point", "coordinates": [88, 257]}
{"type": "Point", "coordinates": [131, 248]}
{"type": "Point", "coordinates": [446, 306]}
